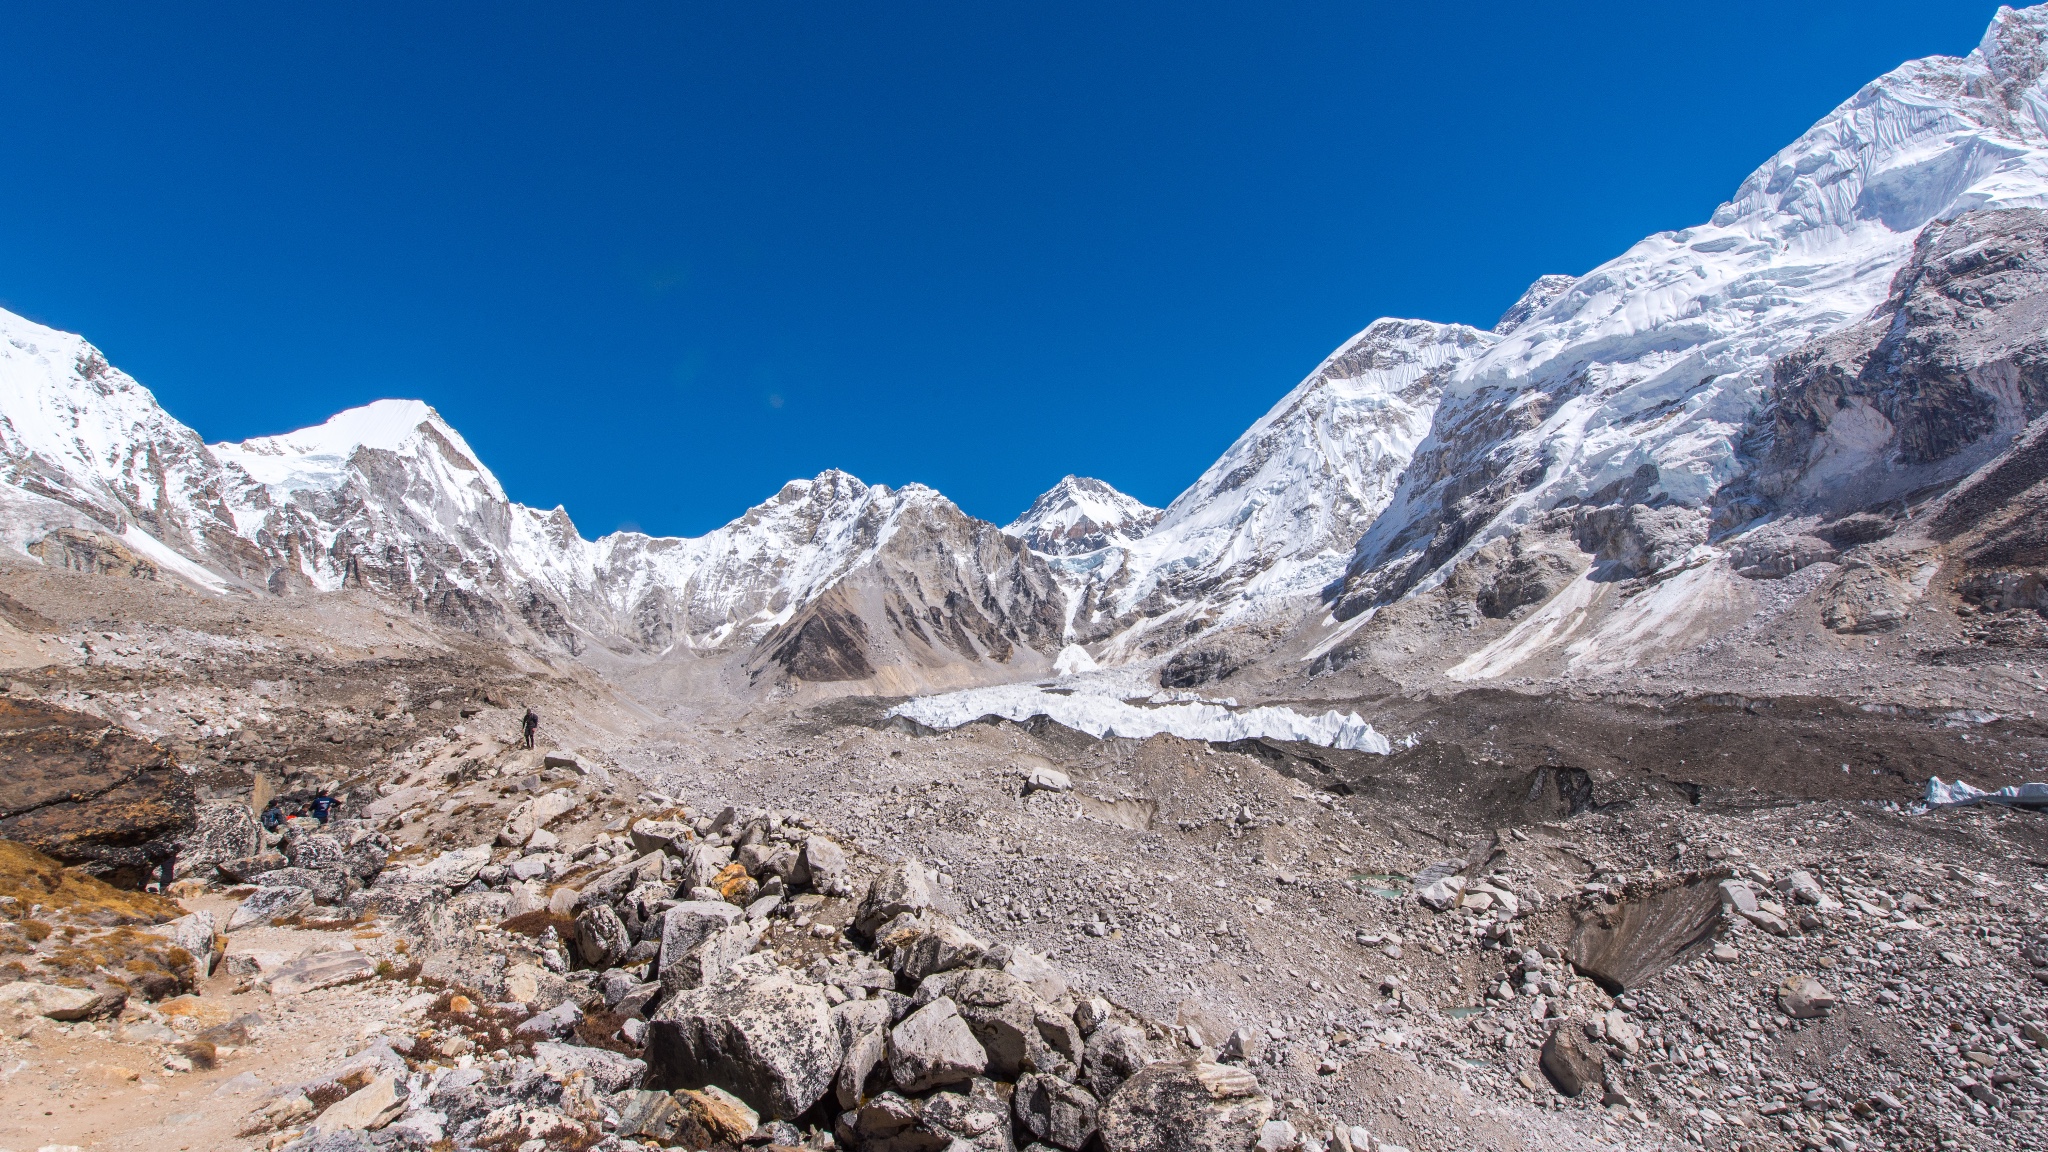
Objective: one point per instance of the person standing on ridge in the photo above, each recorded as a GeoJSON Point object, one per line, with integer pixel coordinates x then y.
{"type": "Point", "coordinates": [531, 722]}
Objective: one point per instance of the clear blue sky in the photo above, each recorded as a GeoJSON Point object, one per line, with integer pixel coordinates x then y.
{"type": "Point", "coordinates": [655, 259]}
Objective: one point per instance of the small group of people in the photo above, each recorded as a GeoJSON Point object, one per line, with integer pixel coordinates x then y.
{"type": "Point", "coordinates": [321, 807]}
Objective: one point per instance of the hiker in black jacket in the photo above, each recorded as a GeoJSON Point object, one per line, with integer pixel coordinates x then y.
{"type": "Point", "coordinates": [531, 722]}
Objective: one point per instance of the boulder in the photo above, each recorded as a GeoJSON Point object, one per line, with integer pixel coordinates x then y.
{"type": "Point", "coordinates": [905, 888]}
{"type": "Point", "coordinates": [1042, 779]}
{"type": "Point", "coordinates": [927, 944]}
{"type": "Point", "coordinates": [1441, 892]}
{"type": "Point", "coordinates": [195, 934]}
{"type": "Point", "coordinates": [268, 904]}
{"type": "Point", "coordinates": [313, 851]}
{"type": "Point", "coordinates": [659, 835]}
{"type": "Point", "coordinates": [89, 794]}
{"type": "Point", "coordinates": [767, 1039]}
{"type": "Point", "coordinates": [328, 885]}
{"type": "Point", "coordinates": [975, 1118]}
{"type": "Point", "coordinates": [825, 864]}
{"type": "Point", "coordinates": [1033, 969]}
{"type": "Point", "coordinates": [221, 830]}
{"type": "Point", "coordinates": [397, 898]}
{"type": "Point", "coordinates": [707, 960]}
{"type": "Point", "coordinates": [1571, 1060]}
{"type": "Point", "coordinates": [1802, 887]}
{"type": "Point", "coordinates": [452, 870]}
{"type": "Point", "coordinates": [322, 970]}
{"type": "Point", "coordinates": [933, 1046]}
{"type": "Point", "coordinates": [1185, 1107]}
{"type": "Point", "coordinates": [552, 1024]}
{"type": "Point", "coordinates": [1804, 998]}
{"type": "Point", "coordinates": [1115, 1053]}
{"type": "Point", "coordinates": [714, 1117]}
{"type": "Point", "coordinates": [366, 855]}
{"type": "Point", "coordinates": [653, 1115]}
{"type": "Point", "coordinates": [608, 886]}
{"type": "Point", "coordinates": [367, 1108]}
{"type": "Point", "coordinates": [28, 998]}
{"type": "Point", "coordinates": [864, 1036]}
{"type": "Point", "coordinates": [607, 1071]}
{"type": "Point", "coordinates": [702, 864]}
{"type": "Point", "coordinates": [242, 869]}
{"type": "Point", "coordinates": [1052, 1110]}
{"type": "Point", "coordinates": [532, 815]}
{"type": "Point", "coordinates": [601, 939]}
{"type": "Point", "coordinates": [1002, 1012]}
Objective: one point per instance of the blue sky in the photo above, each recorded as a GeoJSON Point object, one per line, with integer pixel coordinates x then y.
{"type": "Point", "coordinates": [655, 259]}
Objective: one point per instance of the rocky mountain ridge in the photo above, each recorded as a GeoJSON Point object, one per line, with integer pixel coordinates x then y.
{"type": "Point", "coordinates": [1657, 405]}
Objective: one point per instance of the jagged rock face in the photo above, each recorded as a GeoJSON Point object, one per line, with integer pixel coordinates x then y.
{"type": "Point", "coordinates": [943, 590]}
{"type": "Point", "coordinates": [1956, 358]}
{"type": "Point", "coordinates": [87, 793]}
{"type": "Point", "coordinates": [1081, 515]}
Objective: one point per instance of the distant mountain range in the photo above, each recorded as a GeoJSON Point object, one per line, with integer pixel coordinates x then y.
{"type": "Point", "coordinates": [1856, 328]}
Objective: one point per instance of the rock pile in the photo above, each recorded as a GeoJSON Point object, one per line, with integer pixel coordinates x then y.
{"type": "Point", "coordinates": [711, 981]}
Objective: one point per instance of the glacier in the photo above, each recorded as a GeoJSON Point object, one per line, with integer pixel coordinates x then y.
{"type": "Point", "coordinates": [1093, 707]}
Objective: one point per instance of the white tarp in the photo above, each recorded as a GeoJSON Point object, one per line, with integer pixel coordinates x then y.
{"type": "Point", "coordinates": [1100, 714]}
{"type": "Point", "coordinates": [1941, 795]}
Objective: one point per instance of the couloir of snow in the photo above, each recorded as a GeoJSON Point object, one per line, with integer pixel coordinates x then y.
{"type": "Point", "coordinates": [1092, 706]}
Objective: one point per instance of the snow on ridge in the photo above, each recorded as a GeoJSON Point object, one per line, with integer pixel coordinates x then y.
{"type": "Point", "coordinates": [1092, 709]}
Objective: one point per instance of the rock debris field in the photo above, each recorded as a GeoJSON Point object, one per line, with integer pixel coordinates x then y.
{"type": "Point", "coordinates": [817, 927]}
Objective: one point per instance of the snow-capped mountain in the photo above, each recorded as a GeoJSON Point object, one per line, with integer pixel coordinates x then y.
{"type": "Point", "coordinates": [1272, 522]}
{"type": "Point", "coordinates": [1080, 515]}
{"type": "Point", "coordinates": [1706, 379]}
{"type": "Point", "coordinates": [1637, 384]}
{"type": "Point", "coordinates": [390, 498]}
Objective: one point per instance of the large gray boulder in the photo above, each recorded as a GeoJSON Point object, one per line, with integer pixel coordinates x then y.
{"type": "Point", "coordinates": [1115, 1053]}
{"type": "Point", "coordinates": [905, 888]}
{"type": "Point", "coordinates": [1185, 1107]}
{"type": "Point", "coordinates": [222, 830]}
{"type": "Point", "coordinates": [1052, 1110]}
{"type": "Point", "coordinates": [328, 885]}
{"type": "Point", "coordinates": [826, 867]}
{"type": "Point", "coordinates": [767, 1039]}
{"type": "Point", "coordinates": [864, 1035]}
{"type": "Point", "coordinates": [708, 960]}
{"type": "Point", "coordinates": [701, 863]}
{"type": "Point", "coordinates": [926, 944]}
{"type": "Point", "coordinates": [607, 1071]}
{"type": "Point", "coordinates": [1003, 1014]}
{"type": "Point", "coordinates": [268, 904]}
{"type": "Point", "coordinates": [690, 923]}
{"type": "Point", "coordinates": [601, 938]}
{"type": "Point", "coordinates": [932, 1047]}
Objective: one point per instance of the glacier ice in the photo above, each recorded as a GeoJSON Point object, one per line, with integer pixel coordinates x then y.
{"type": "Point", "coordinates": [1095, 709]}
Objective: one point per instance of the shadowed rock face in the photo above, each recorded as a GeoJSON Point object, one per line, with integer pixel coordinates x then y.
{"type": "Point", "coordinates": [1955, 356]}
{"type": "Point", "coordinates": [86, 793]}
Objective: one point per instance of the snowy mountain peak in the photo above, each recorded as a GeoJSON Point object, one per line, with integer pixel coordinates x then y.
{"type": "Point", "coordinates": [320, 456]}
{"type": "Point", "coordinates": [1081, 515]}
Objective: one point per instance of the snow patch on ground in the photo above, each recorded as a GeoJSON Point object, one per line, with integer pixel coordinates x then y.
{"type": "Point", "coordinates": [1101, 714]}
